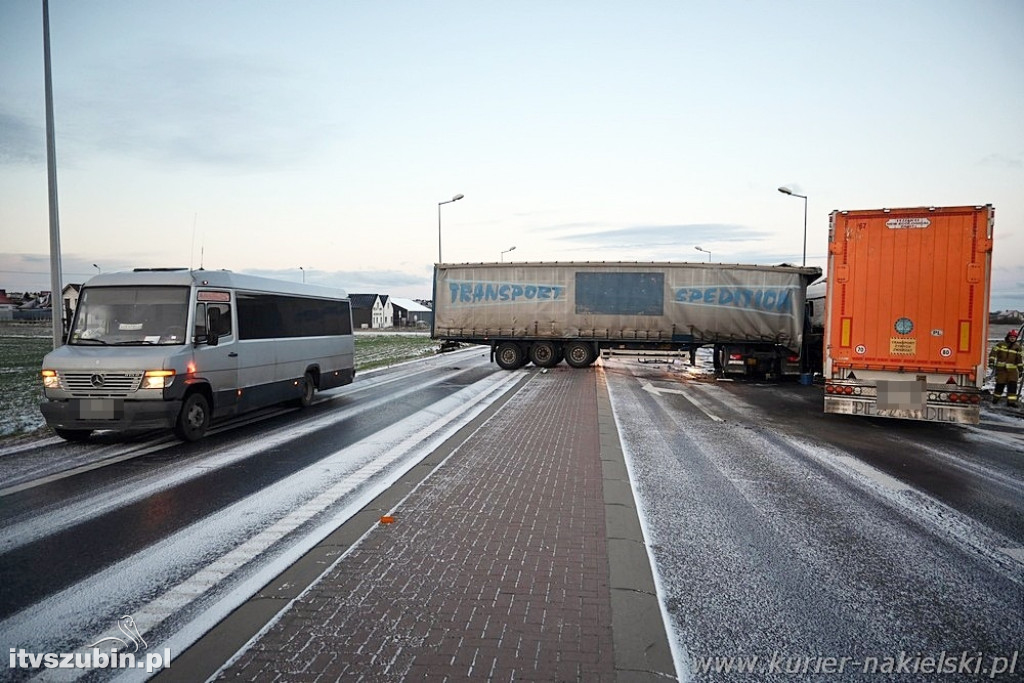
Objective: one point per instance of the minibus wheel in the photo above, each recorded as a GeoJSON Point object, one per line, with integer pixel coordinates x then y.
{"type": "Point", "coordinates": [308, 389]}
{"type": "Point", "coordinates": [72, 434]}
{"type": "Point", "coordinates": [194, 417]}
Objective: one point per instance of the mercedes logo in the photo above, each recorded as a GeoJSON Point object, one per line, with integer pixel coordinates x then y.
{"type": "Point", "coordinates": [97, 381]}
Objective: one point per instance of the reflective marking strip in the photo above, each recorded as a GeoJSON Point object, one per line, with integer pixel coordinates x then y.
{"type": "Point", "coordinates": [965, 336]}
{"type": "Point", "coordinates": [844, 332]}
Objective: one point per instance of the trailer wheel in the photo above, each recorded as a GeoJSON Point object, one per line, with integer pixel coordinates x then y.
{"type": "Point", "coordinates": [545, 354]}
{"type": "Point", "coordinates": [194, 417]}
{"type": "Point", "coordinates": [510, 356]}
{"type": "Point", "coordinates": [580, 354]}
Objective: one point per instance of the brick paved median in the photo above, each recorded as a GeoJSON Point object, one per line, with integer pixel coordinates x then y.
{"type": "Point", "coordinates": [496, 567]}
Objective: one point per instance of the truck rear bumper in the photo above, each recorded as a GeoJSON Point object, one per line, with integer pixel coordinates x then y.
{"type": "Point", "coordinates": [117, 414]}
{"type": "Point", "coordinates": [965, 414]}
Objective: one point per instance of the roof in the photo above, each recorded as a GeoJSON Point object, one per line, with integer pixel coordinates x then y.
{"type": "Point", "coordinates": [362, 300]}
{"type": "Point", "coordinates": [211, 278]}
{"type": "Point", "coordinates": [409, 305]}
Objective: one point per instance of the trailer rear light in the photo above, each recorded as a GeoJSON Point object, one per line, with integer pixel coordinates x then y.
{"type": "Point", "coordinates": [735, 356]}
{"type": "Point", "coordinates": [793, 359]}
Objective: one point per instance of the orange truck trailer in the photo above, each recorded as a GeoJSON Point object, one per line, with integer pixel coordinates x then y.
{"type": "Point", "coordinates": [906, 320]}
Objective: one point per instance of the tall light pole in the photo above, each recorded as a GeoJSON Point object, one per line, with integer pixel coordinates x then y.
{"type": "Point", "coordinates": [51, 177]}
{"type": "Point", "coordinates": [505, 252]}
{"type": "Point", "coordinates": [303, 274]}
{"type": "Point", "coordinates": [786, 190]}
{"type": "Point", "coordinates": [439, 204]}
{"type": "Point", "coordinates": [706, 251]}
{"type": "Point", "coordinates": [97, 268]}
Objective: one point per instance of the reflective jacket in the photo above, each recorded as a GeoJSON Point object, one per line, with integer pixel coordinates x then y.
{"type": "Point", "coordinates": [1006, 355]}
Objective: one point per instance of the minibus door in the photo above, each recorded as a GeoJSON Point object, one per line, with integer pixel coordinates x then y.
{"type": "Point", "coordinates": [216, 353]}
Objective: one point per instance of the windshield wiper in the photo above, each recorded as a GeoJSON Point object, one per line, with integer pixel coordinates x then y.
{"type": "Point", "coordinates": [90, 341]}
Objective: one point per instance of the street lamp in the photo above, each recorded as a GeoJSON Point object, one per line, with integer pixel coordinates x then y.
{"type": "Point", "coordinates": [706, 251]}
{"type": "Point", "coordinates": [505, 252]}
{"type": "Point", "coordinates": [786, 190]}
{"type": "Point", "coordinates": [97, 268]}
{"type": "Point", "coordinates": [303, 274]}
{"type": "Point", "coordinates": [453, 199]}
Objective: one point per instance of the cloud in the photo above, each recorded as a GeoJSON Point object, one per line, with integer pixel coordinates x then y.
{"type": "Point", "coordinates": [22, 140]}
{"type": "Point", "coordinates": [216, 110]}
{"type": "Point", "coordinates": [662, 235]}
{"type": "Point", "coordinates": [1002, 161]}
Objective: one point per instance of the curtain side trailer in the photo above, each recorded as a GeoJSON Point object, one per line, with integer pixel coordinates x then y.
{"type": "Point", "coordinates": [907, 312]}
{"type": "Point", "coordinates": [543, 313]}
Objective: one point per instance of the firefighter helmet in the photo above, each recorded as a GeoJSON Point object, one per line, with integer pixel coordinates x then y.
{"type": "Point", "coordinates": [1012, 335]}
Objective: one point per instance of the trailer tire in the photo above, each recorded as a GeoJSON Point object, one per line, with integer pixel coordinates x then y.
{"type": "Point", "coordinates": [580, 354]}
{"type": "Point", "coordinates": [510, 356]}
{"type": "Point", "coordinates": [545, 354]}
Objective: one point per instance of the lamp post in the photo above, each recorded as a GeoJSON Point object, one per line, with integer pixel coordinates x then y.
{"type": "Point", "coordinates": [439, 204]}
{"type": "Point", "coordinates": [505, 252]}
{"type": "Point", "coordinates": [303, 274]}
{"type": "Point", "coordinates": [786, 190]}
{"type": "Point", "coordinates": [706, 251]}
{"type": "Point", "coordinates": [97, 268]}
{"type": "Point", "coordinates": [56, 272]}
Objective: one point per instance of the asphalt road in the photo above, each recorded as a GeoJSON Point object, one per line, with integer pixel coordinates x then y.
{"type": "Point", "coordinates": [799, 542]}
{"type": "Point", "coordinates": [787, 540]}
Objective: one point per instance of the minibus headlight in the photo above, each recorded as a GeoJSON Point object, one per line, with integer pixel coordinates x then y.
{"type": "Point", "coordinates": [157, 379]}
{"type": "Point", "coordinates": [50, 379]}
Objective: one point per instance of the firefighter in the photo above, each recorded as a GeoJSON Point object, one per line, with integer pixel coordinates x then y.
{"type": "Point", "coordinates": [1006, 358]}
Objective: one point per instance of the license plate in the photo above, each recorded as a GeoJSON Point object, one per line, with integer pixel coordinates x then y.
{"type": "Point", "coordinates": [99, 409]}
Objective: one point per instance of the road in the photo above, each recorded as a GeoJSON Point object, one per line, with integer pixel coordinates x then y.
{"type": "Point", "coordinates": [776, 532]}
{"type": "Point", "coordinates": [178, 535]}
{"type": "Point", "coordinates": [784, 537]}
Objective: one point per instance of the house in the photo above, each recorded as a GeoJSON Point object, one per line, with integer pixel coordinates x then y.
{"type": "Point", "coordinates": [371, 311]}
{"type": "Point", "coordinates": [409, 313]}
{"type": "Point", "coordinates": [362, 310]}
{"type": "Point", "coordinates": [385, 315]}
{"type": "Point", "coordinates": [6, 306]}
{"type": "Point", "coordinates": [69, 295]}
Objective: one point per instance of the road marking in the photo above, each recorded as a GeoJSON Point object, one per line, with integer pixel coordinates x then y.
{"type": "Point", "coordinates": [875, 475]}
{"type": "Point", "coordinates": [699, 405]}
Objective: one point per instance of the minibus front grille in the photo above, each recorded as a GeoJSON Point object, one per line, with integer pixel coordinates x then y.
{"type": "Point", "coordinates": [97, 384]}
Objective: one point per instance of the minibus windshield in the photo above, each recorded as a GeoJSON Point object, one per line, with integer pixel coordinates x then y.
{"type": "Point", "coordinates": [129, 316]}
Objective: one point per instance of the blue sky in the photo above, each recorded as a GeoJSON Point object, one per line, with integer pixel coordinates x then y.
{"type": "Point", "coordinates": [263, 136]}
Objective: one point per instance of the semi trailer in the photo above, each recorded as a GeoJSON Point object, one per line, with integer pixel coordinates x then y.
{"type": "Point", "coordinates": [754, 316]}
{"type": "Point", "coordinates": [906, 324]}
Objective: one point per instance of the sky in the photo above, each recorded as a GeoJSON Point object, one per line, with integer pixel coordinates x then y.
{"type": "Point", "coordinates": [315, 139]}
